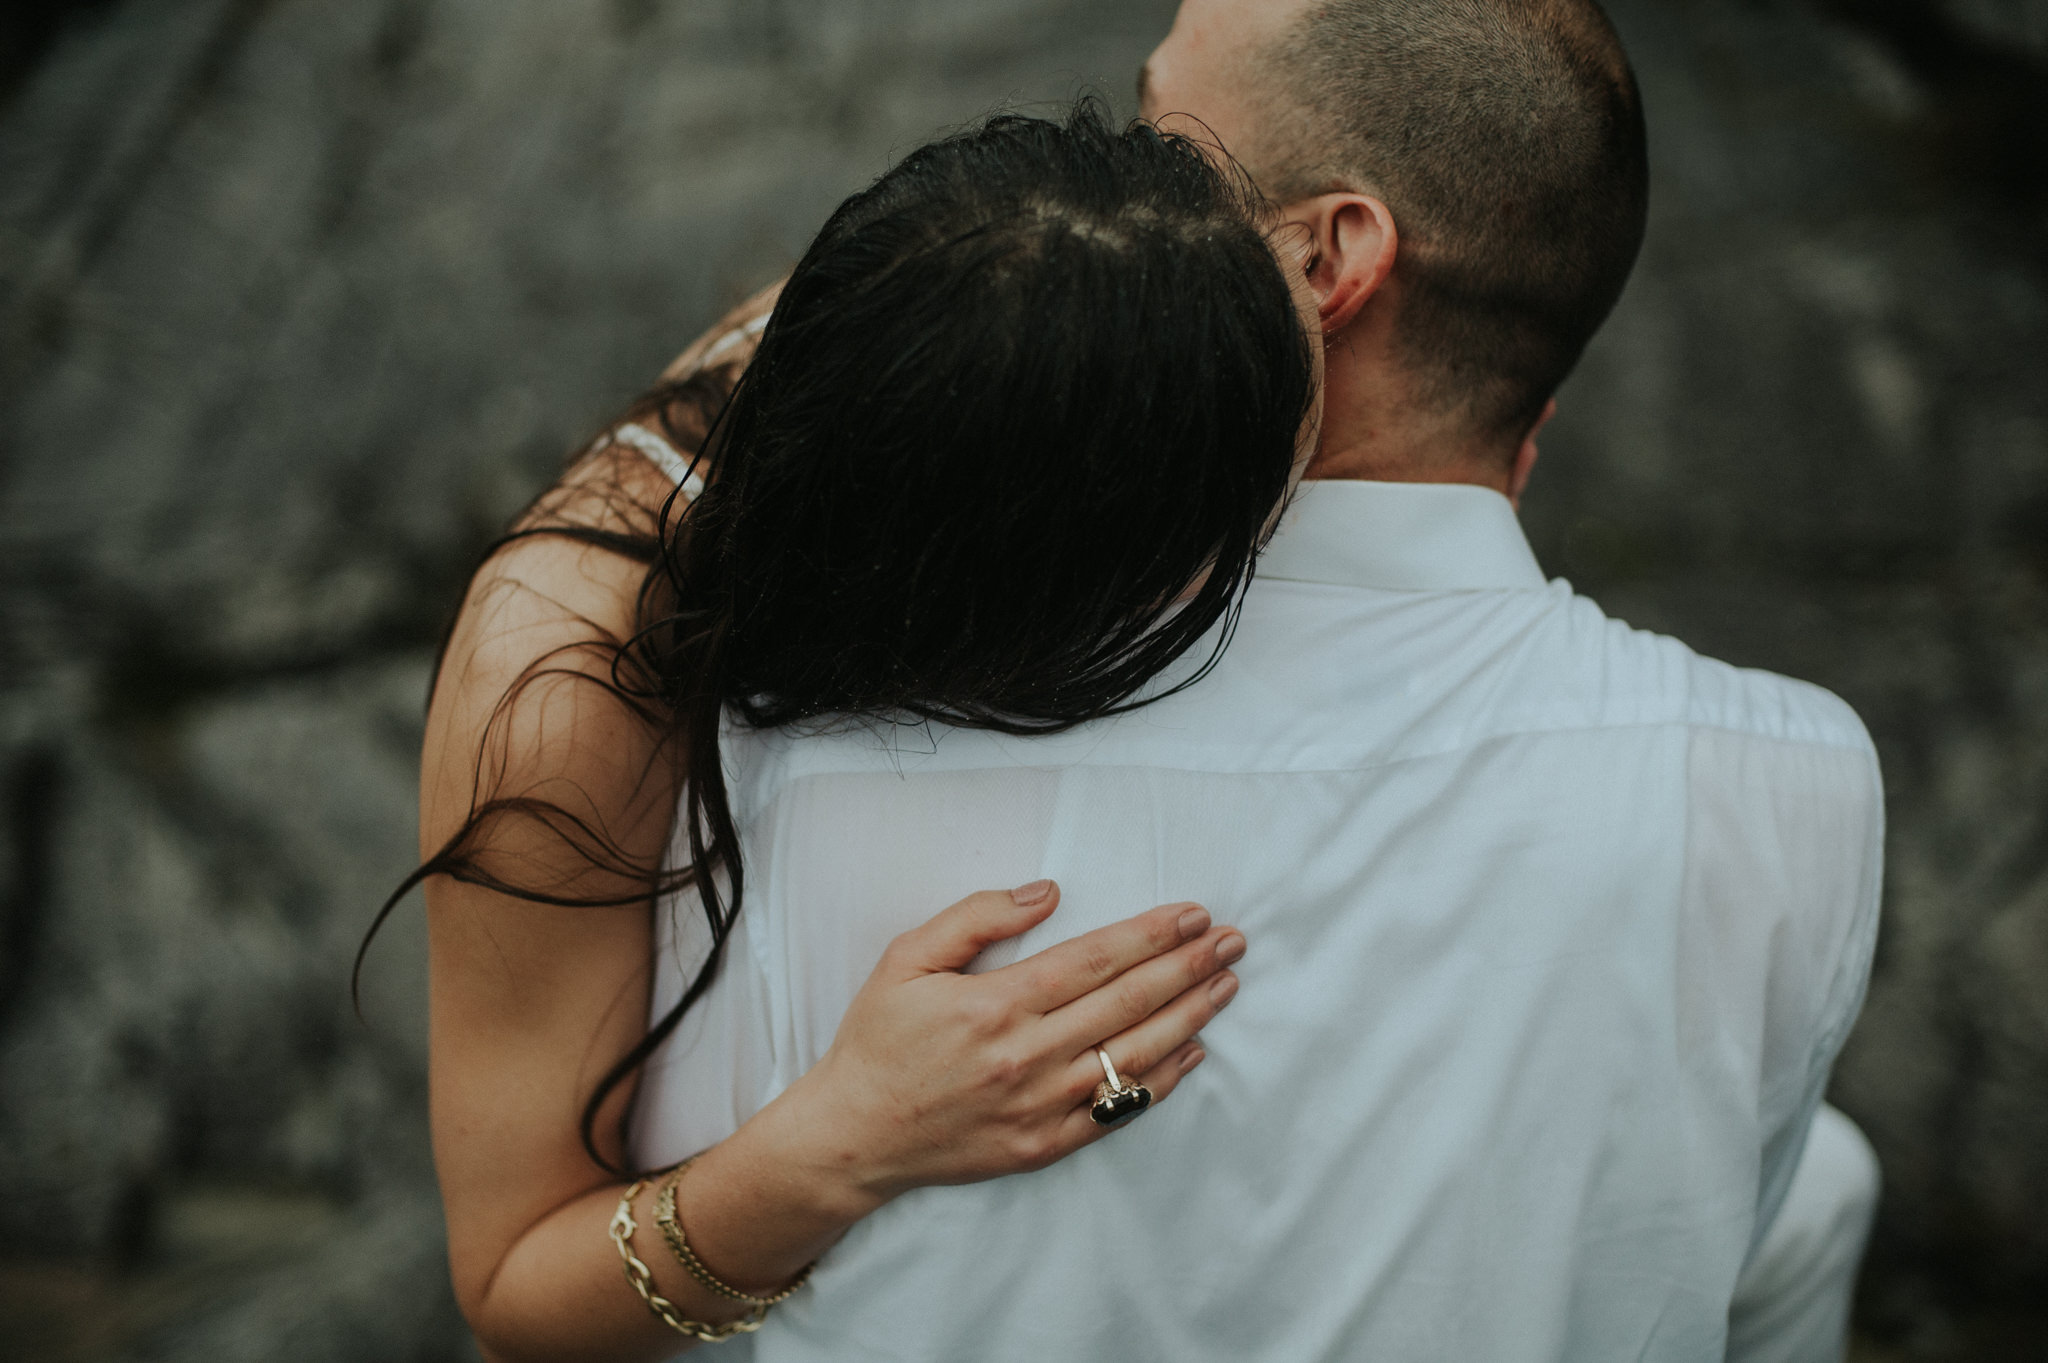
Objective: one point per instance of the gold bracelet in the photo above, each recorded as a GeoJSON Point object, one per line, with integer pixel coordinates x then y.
{"type": "Point", "coordinates": [672, 1231]}
{"type": "Point", "coordinates": [642, 1279]}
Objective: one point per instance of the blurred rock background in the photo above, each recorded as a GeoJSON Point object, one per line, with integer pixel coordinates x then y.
{"type": "Point", "coordinates": [298, 301]}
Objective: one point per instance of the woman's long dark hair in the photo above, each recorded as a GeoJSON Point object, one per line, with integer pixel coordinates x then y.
{"type": "Point", "coordinates": [1008, 448]}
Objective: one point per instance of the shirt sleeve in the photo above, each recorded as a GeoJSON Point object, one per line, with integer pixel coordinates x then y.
{"type": "Point", "coordinates": [1784, 863]}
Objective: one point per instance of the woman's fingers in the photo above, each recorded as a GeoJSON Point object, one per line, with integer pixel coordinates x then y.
{"type": "Point", "coordinates": [1077, 1128]}
{"type": "Point", "coordinates": [954, 1078]}
{"type": "Point", "coordinates": [1144, 989]}
{"type": "Point", "coordinates": [1139, 1049]}
{"type": "Point", "coordinates": [1065, 972]}
{"type": "Point", "coordinates": [960, 933]}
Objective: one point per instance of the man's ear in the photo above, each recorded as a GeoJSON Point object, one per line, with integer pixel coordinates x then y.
{"type": "Point", "coordinates": [1525, 456]}
{"type": "Point", "coordinates": [1351, 248]}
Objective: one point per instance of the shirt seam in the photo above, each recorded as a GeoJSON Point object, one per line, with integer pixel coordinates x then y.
{"type": "Point", "coordinates": [760, 802]}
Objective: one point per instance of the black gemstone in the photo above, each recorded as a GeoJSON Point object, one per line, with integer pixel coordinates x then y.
{"type": "Point", "coordinates": [1118, 1108]}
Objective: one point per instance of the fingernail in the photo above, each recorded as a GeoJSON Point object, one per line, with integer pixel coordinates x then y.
{"type": "Point", "coordinates": [1192, 1059]}
{"type": "Point", "coordinates": [1034, 893]}
{"type": "Point", "coordinates": [1220, 992]}
{"type": "Point", "coordinates": [1229, 948]}
{"type": "Point", "coordinates": [1194, 923]}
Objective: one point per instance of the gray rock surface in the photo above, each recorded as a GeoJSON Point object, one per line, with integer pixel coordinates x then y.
{"type": "Point", "coordinates": [299, 301]}
{"type": "Point", "coordinates": [2020, 24]}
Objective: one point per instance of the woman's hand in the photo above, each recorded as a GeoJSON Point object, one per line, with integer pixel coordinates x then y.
{"type": "Point", "coordinates": [934, 1077]}
{"type": "Point", "coordinates": [941, 1077]}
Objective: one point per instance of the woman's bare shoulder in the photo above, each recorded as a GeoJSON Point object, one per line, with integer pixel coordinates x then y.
{"type": "Point", "coordinates": [528, 701]}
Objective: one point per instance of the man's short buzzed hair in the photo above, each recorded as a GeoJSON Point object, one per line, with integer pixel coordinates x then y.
{"type": "Point", "coordinates": [1506, 136]}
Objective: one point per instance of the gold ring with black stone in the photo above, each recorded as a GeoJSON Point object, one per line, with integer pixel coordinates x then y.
{"type": "Point", "coordinates": [1116, 1100]}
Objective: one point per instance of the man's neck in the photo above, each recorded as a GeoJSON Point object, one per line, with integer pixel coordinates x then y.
{"type": "Point", "coordinates": [1375, 429]}
{"type": "Point", "coordinates": [1375, 466]}
{"type": "Point", "coordinates": [1373, 433]}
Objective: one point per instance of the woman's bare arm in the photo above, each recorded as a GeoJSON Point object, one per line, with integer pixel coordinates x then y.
{"type": "Point", "coordinates": [531, 1003]}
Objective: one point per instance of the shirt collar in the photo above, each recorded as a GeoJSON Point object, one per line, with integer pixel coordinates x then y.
{"type": "Point", "coordinates": [1404, 537]}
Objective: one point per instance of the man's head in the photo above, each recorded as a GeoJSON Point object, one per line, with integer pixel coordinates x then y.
{"type": "Point", "coordinates": [1477, 165]}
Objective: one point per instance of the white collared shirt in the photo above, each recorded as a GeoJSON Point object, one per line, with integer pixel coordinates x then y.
{"type": "Point", "coordinates": [1555, 929]}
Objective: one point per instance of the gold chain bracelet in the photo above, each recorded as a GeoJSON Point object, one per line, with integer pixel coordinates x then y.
{"type": "Point", "coordinates": [642, 1279]}
{"type": "Point", "coordinates": [672, 1231]}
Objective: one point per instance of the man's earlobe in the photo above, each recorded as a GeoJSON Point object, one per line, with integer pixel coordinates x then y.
{"type": "Point", "coordinates": [1355, 242]}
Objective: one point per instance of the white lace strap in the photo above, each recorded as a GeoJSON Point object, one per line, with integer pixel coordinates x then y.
{"type": "Point", "coordinates": [733, 338]}
{"type": "Point", "coordinates": [662, 454]}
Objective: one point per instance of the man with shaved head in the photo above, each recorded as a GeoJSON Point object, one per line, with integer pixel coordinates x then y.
{"type": "Point", "coordinates": [1475, 178]}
